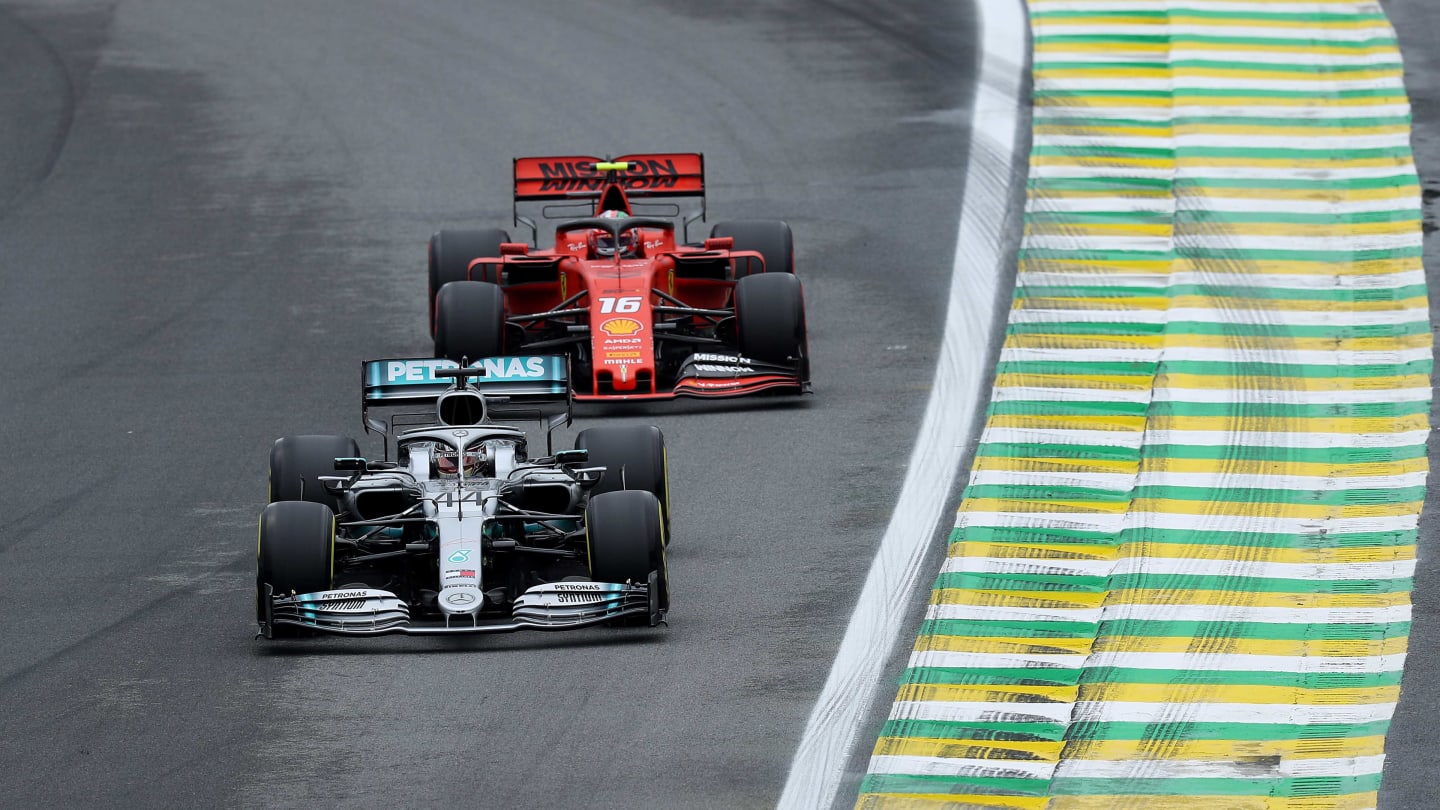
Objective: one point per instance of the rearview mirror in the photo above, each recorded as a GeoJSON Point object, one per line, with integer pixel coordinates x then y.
{"type": "Point", "coordinates": [356, 464]}
{"type": "Point", "coordinates": [572, 456]}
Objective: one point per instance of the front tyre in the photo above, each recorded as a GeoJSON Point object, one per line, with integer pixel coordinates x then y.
{"type": "Point", "coordinates": [770, 318]}
{"type": "Point", "coordinates": [296, 552]}
{"type": "Point", "coordinates": [470, 321]}
{"type": "Point", "coordinates": [625, 540]}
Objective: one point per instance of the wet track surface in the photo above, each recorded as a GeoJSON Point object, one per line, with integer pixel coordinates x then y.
{"type": "Point", "coordinates": [1413, 744]}
{"type": "Point", "coordinates": [210, 213]}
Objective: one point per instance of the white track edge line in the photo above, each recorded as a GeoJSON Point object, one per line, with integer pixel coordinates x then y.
{"type": "Point", "coordinates": [885, 599]}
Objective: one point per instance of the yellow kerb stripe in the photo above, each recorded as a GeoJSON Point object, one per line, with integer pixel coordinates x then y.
{"type": "Point", "coordinates": [1040, 340]}
{"type": "Point", "coordinates": [1403, 194]}
{"type": "Point", "coordinates": [973, 550]}
{"type": "Point", "coordinates": [1262, 424]}
{"type": "Point", "coordinates": [1238, 161]}
{"type": "Point", "coordinates": [1166, 596]}
{"type": "Point", "coordinates": [981, 693]}
{"type": "Point", "coordinates": [1101, 99]}
{"type": "Point", "coordinates": [952, 801]}
{"type": "Point", "coordinates": [1031, 750]}
{"type": "Point", "coordinates": [1154, 596]}
{"type": "Point", "coordinates": [1112, 750]}
{"type": "Point", "coordinates": [1004, 646]}
{"type": "Point", "coordinates": [1205, 381]}
{"type": "Point", "coordinates": [1325, 648]}
{"type": "Point", "coordinates": [1236, 693]}
{"type": "Point", "coordinates": [1101, 70]}
{"type": "Point", "coordinates": [1272, 228]}
{"type": "Point", "coordinates": [1158, 302]}
{"type": "Point", "coordinates": [1143, 382]}
{"type": "Point", "coordinates": [1056, 465]}
{"type": "Point", "coordinates": [1044, 45]}
{"type": "Point", "coordinates": [1351, 801]}
{"type": "Point", "coordinates": [1181, 17]}
{"type": "Point", "coordinates": [1199, 466]}
{"type": "Point", "coordinates": [1065, 600]}
{"type": "Point", "coordinates": [1166, 129]}
{"type": "Point", "coordinates": [1170, 506]}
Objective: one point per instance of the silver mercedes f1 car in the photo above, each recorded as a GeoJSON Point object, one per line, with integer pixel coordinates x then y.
{"type": "Point", "coordinates": [464, 530]}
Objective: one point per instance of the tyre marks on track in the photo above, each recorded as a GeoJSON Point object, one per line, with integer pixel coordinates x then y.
{"type": "Point", "coordinates": [1181, 569]}
{"type": "Point", "coordinates": [981, 260]}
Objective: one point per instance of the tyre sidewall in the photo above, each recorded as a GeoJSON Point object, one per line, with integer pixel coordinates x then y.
{"type": "Point", "coordinates": [625, 539]}
{"type": "Point", "coordinates": [770, 317]}
{"type": "Point", "coordinates": [295, 552]}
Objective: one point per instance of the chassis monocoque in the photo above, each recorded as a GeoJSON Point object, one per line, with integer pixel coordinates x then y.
{"type": "Point", "coordinates": [464, 531]}
{"type": "Point", "coordinates": [660, 318]}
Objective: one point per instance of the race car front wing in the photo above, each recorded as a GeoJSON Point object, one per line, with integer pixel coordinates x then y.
{"type": "Point", "coordinates": [721, 374]}
{"type": "Point", "coordinates": [373, 612]}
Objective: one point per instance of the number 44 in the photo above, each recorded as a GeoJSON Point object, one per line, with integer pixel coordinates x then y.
{"type": "Point", "coordinates": [627, 303]}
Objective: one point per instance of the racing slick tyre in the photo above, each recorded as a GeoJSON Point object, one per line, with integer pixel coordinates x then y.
{"type": "Point", "coordinates": [451, 253]}
{"type": "Point", "coordinates": [297, 462]}
{"type": "Point", "coordinates": [770, 319]}
{"type": "Point", "coordinates": [625, 539]}
{"type": "Point", "coordinates": [470, 320]}
{"type": "Point", "coordinates": [295, 554]}
{"type": "Point", "coordinates": [634, 458]}
{"type": "Point", "coordinates": [771, 238]}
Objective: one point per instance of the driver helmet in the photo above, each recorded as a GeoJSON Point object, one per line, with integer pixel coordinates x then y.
{"type": "Point", "coordinates": [603, 244]}
{"type": "Point", "coordinates": [447, 462]}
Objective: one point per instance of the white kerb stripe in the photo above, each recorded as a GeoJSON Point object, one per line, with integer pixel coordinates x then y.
{"type": "Point", "coordinates": [1278, 768]}
{"type": "Point", "coordinates": [1300, 714]}
{"type": "Point", "coordinates": [962, 768]}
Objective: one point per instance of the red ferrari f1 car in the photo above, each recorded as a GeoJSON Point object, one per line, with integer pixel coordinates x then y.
{"type": "Point", "coordinates": [643, 313]}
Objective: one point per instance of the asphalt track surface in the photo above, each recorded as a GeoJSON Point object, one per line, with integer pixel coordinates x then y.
{"type": "Point", "coordinates": [211, 212]}
{"type": "Point", "coordinates": [1412, 747]}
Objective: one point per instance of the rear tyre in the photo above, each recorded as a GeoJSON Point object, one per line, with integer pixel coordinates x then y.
{"type": "Point", "coordinates": [770, 318]}
{"type": "Point", "coordinates": [626, 540]}
{"type": "Point", "coordinates": [296, 552]}
{"type": "Point", "coordinates": [297, 462]}
{"type": "Point", "coordinates": [470, 320]}
{"type": "Point", "coordinates": [634, 458]}
{"type": "Point", "coordinates": [451, 253]}
{"type": "Point", "coordinates": [771, 238]}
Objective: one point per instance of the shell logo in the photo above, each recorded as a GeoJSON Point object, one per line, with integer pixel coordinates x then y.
{"type": "Point", "coordinates": [621, 326]}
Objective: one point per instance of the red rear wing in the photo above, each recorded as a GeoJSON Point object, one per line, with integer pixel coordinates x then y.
{"type": "Point", "coordinates": [661, 174]}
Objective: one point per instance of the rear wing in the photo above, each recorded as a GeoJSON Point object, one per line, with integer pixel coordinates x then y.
{"type": "Point", "coordinates": [410, 381]}
{"type": "Point", "coordinates": [590, 183]}
{"type": "Point", "coordinates": [662, 174]}
{"type": "Point", "coordinates": [518, 386]}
